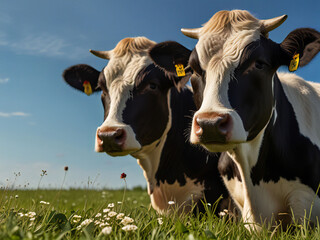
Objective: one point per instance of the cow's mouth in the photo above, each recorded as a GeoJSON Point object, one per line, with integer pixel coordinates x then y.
{"type": "Point", "coordinates": [218, 146]}
{"type": "Point", "coordinates": [120, 152]}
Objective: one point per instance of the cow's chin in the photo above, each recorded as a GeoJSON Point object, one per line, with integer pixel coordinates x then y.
{"type": "Point", "coordinates": [216, 147]}
{"type": "Point", "coordinates": [121, 153]}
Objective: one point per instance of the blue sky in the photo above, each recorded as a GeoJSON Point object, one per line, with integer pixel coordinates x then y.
{"type": "Point", "coordinates": [46, 125]}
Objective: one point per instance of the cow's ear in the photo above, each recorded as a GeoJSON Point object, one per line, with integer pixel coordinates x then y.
{"type": "Point", "coordinates": [170, 56]}
{"type": "Point", "coordinates": [302, 41]}
{"type": "Point", "coordinates": [82, 77]}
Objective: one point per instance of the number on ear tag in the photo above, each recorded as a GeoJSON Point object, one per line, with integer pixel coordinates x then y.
{"type": "Point", "coordinates": [294, 63]}
{"type": "Point", "coordinates": [87, 88]}
{"type": "Point", "coordinates": [180, 70]}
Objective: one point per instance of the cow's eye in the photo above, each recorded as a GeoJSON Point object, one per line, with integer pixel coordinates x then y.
{"type": "Point", "coordinates": [259, 64]}
{"type": "Point", "coordinates": [153, 86]}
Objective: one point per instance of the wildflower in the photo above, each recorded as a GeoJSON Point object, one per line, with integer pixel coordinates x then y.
{"type": "Point", "coordinates": [103, 224]}
{"type": "Point", "coordinates": [223, 213]}
{"type": "Point", "coordinates": [135, 202]}
{"type": "Point", "coordinates": [171, 202]}
{"type": "Point", "coordinates": [123, 175]}
{"type": "Point", "coordinates": [129, 228]}
{"type": "Point", "coordinates": [106, 230]}
{"type": "Point", "coordinates": [76, 218]}
{"type": "Point", "coordinates": [112, 214]}
{"type": "Point", "coordinates": [119, 203]}
{"type": "Point", "coordinates": [16, 196]}
{"type": "Point", "coordinates": [20, 214]}
{"type": "Point", "coordinates": [106, 210]}
{"type": "Point", "coordinates": [127, 220]}
{"type": "Point", "coordinates": [30, 214]}
{"type": "Point", "coordinates": [97, 222]}
{"type": "Point", "coordinates": [45, 203]}
{"type": "Point", "coordinates": [85, 223]}
{"type": "Point", "coordinates": [110, 205]}
{"type": "Point", "coordinates": [32, 219]}
{"type": "Point", "coordinates": [120, 216]}
{"type": "Point", "coordinates": [98, 215]}
{"type": "Point", "coordinates": [160, 221]}
{"type": "Point", "coordinates": [209, 204]}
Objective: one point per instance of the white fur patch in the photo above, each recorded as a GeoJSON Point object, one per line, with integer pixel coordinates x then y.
{"type": "Point", "coordinates": [304, 97]}
{"type": "Point", "coordinates": [181, 197]}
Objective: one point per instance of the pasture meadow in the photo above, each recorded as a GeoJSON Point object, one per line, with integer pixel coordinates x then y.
{"type": "Point", "coordinates": [117, 214]}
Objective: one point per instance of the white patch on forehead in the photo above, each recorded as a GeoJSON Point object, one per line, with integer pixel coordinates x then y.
{"type": "Point", "coordinates": [120, 75]}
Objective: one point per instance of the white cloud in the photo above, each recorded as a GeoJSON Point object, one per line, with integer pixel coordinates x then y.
{"type": "Point", "coordinates": [41, 44]}
{"type": "Point", "coordinates": [14, 114]}
{"type": "Point", "coordinates": [4, 80]}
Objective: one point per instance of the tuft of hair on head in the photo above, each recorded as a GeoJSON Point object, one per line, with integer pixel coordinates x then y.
{"type": "Point", "coordinates": [132, 45]}
{"type": "Point", "coordinates": [226, 21]}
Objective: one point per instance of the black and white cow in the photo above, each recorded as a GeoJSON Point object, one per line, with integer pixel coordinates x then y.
{"type": "Point", "coordinates": [148, 115]}
{"type": "Point", "coordinates": [267, 122]}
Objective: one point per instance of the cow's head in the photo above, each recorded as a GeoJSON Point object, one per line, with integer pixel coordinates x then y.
{"type": "Point", "coordinates": [134, 96]}
{"type": "Point", "coordinates": [234, 64]}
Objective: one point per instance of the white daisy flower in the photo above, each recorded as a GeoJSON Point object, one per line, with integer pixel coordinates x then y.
{"type": "Point", "coordinates": [160, 221]}
{"type": "Point", "coordinates": [98, 215]}
{"type": "Point", "coordinates": [106, 230]}
{"type": "Point", "coordinates": [110, 205]}
{"type": "Point", "coordinates": [171, 202]}
{"type": "Point", "coordinates": [120, 216]}
{"type": "Point", "coordinates": [127, 220]}
{"type": "Point", "coordinates": [129, 228]}
{"type": "Point", "coordinates": [45, 203]}
{"type": "Point", "coordinates": [112, 214]}
{"type": "Point", "coordinates": [106, 210]}
{"type": "Point", "coordinates": [104, 224]}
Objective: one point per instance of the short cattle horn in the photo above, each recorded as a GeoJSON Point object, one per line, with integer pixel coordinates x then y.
{"type": "Point", "coordinates": [101, 54]}
{"type": "Point", "coordinates": [191, 32]}
{"type": "Point", "coordinates": [270, 24]}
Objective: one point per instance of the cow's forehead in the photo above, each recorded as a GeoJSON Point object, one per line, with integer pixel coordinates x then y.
{"type": "Point", "coordinates": [124, 70]}
{"type": "Point", "coordinates": [223, 51]}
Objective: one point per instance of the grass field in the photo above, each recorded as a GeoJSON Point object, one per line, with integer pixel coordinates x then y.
{"type": "Point", "coordinates": [93, 214]}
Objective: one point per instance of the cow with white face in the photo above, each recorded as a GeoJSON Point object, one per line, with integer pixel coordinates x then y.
{"type": "Point", "coordinates": [267, 122]}
{"type": "Point", "coordinates": [147, 115]}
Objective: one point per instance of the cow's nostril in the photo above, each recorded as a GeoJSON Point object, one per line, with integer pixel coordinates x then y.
{"type": "Point", "coordinates": [224, 124]}
{"type": "Point", "coordinates": [198, 129]}
{"type": "Point", "coordinates": [119, 136]}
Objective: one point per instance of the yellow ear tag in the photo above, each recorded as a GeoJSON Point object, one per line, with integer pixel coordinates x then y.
{"type": "Point", "coordinates": [87, 88]}
{"type": "Point", "coordinates": [180, 70]}
{"type": "Point", "coordinates": [294, 63]}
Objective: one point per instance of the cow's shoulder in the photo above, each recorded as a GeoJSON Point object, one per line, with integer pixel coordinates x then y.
{"type": "Point", "coordinates": [304, 96]}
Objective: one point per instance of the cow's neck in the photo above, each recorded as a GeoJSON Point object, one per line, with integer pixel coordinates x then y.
{"type": "Point", "coordinates": [149, 156]}
{"type": "Point", "coordinates": [175, 168]}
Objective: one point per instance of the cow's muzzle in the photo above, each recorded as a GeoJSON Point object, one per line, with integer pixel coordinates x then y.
{"type": "Point", "coordinates": [212, 128]}
{"type": "Point", "coordinates": [110, 139]}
